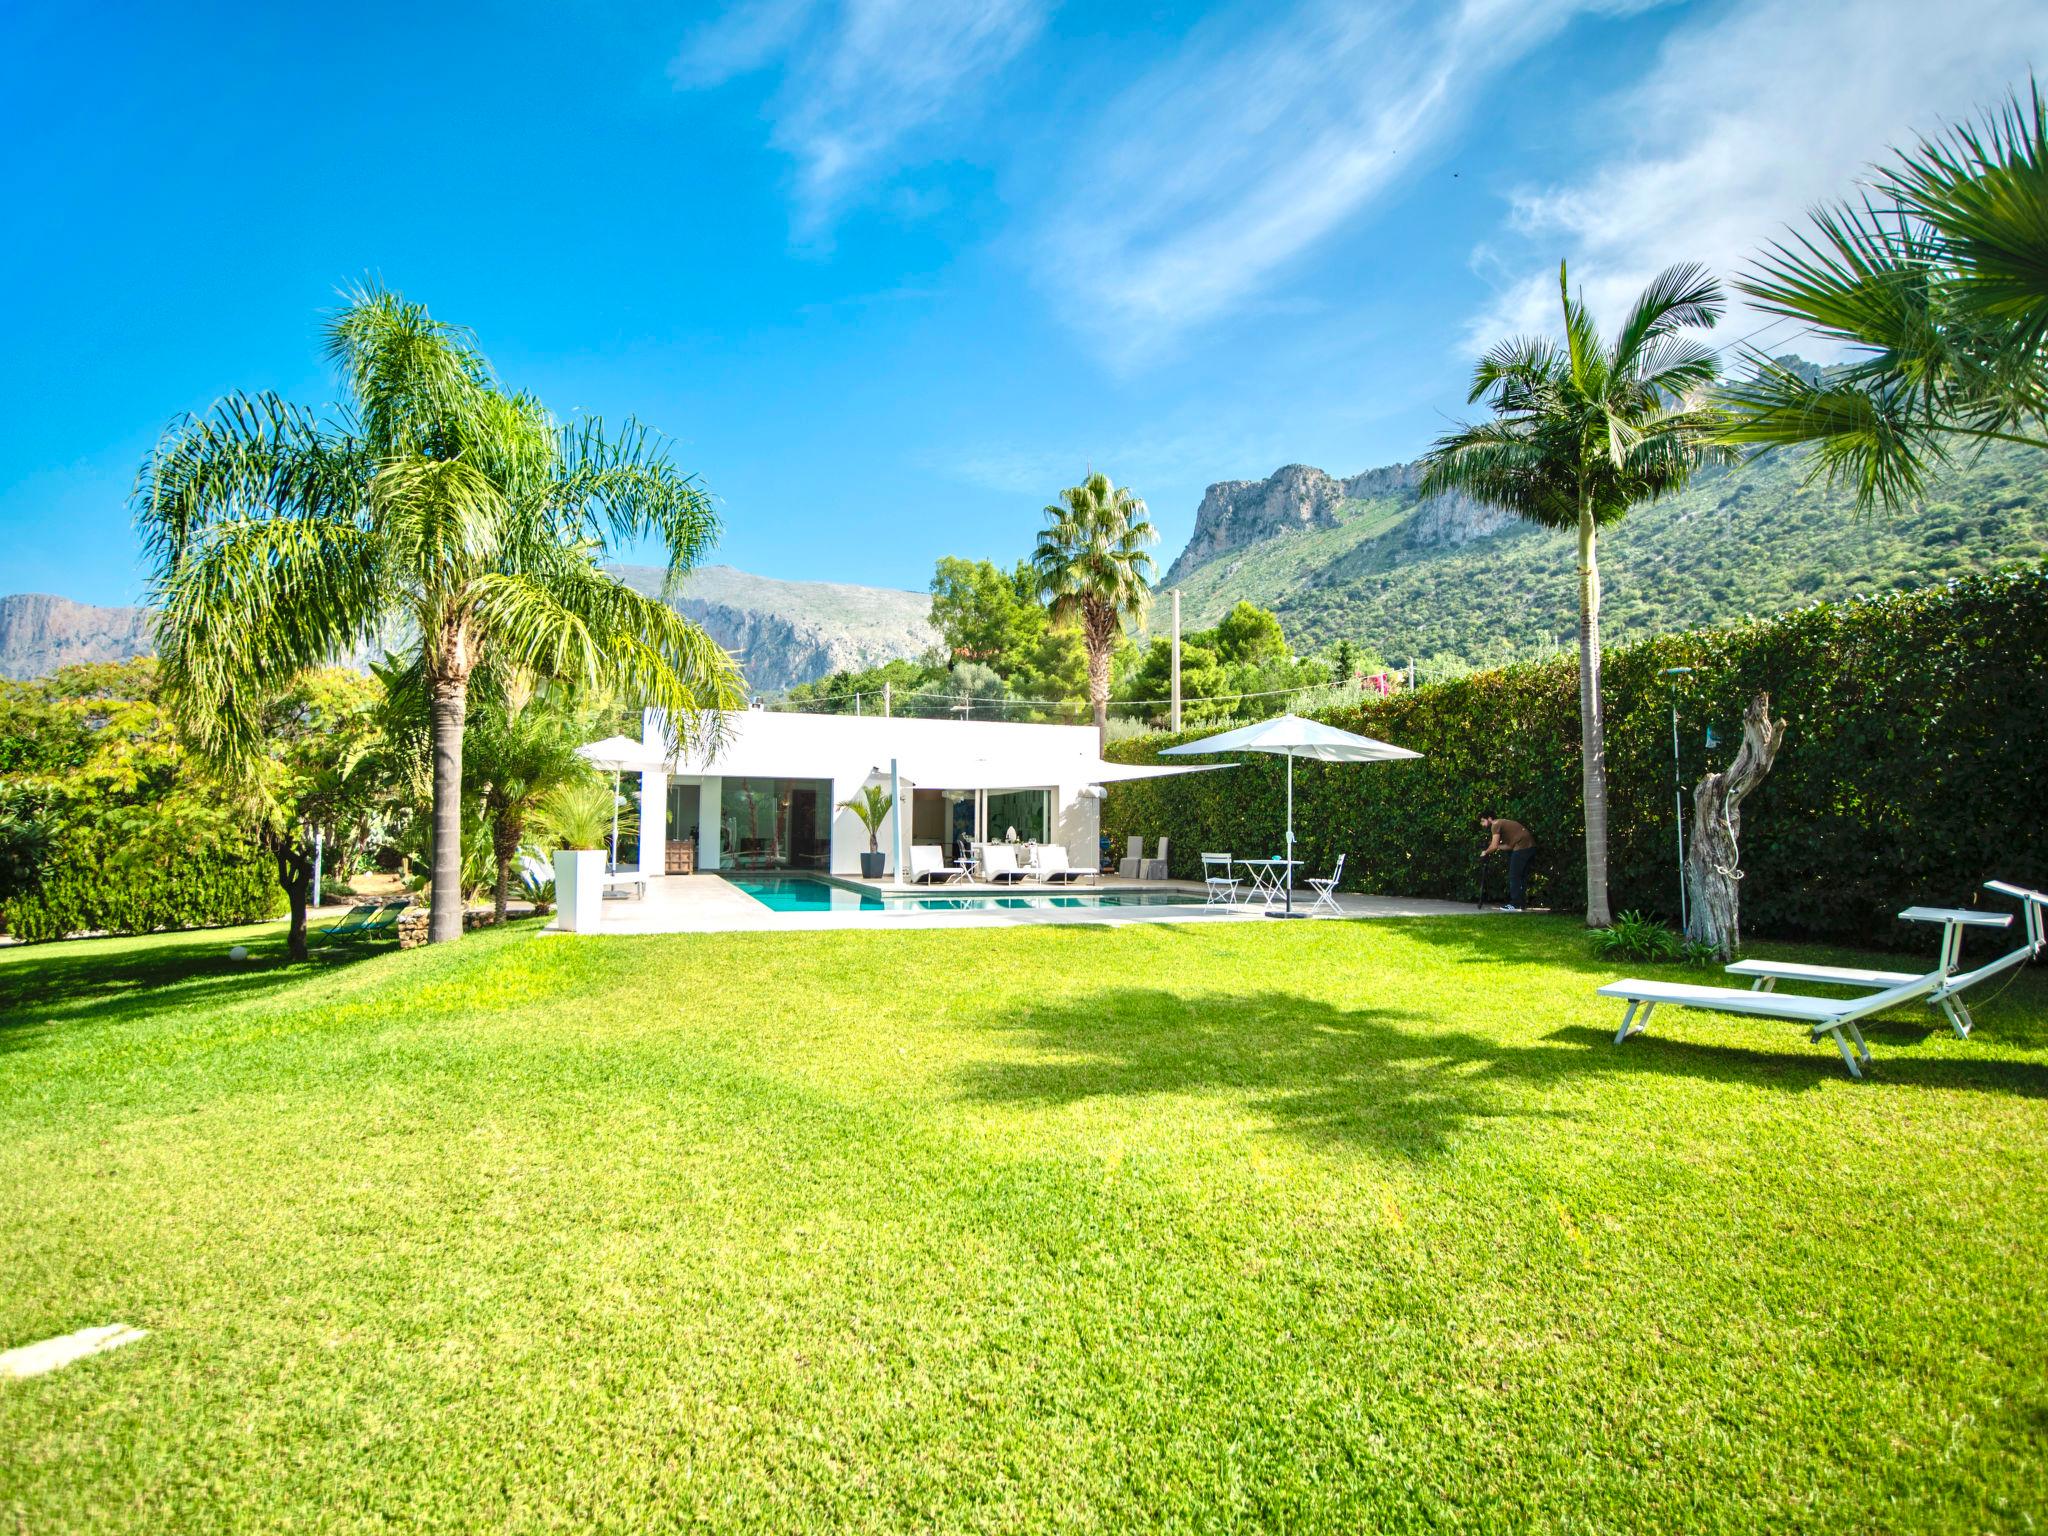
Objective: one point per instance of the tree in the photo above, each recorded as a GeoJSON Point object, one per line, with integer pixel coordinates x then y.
{"type": "Point", "coordinates": [435, 504]}
{"type": "Point", "coordinates": [1344, 662]}
{"type": "Point", "coordinates": [1936, 283]}
{"type": "Point", "coordinates": [1713, 873]}
{"type": "Point", "coordinates": [306, 786]}
{"type": "Point", "coordinates": [1581, 433]}
{"type": "Point", "coordinates": [1093, 569]}
{"type": "Point", "coordinates": [517, 755]}
{"type": "Point", "coordinates": [871, 808]}
{"type": "Point", "coordinates": [998, 618]}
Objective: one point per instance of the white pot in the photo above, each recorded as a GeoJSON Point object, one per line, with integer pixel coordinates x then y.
{"type": "Point", "coordinates": [579, 889]}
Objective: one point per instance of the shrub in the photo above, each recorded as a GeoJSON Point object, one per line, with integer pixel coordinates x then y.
{"type": "Point", "coordinates": [1635, 937]}
{"type": "Point", "coordinates": [1918, 721]}
{"type": "Point", "coordinates": [94, 881]}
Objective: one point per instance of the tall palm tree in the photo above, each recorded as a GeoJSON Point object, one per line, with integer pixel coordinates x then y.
{"type": "Point", "coordinates": [1092, 567]}
{"type": "Point", "coordinates": [1936, 283]}
{"type": "Point", "coordinates": [1582, 431]}
{"type": "Point", "coordinates": [434, 504]}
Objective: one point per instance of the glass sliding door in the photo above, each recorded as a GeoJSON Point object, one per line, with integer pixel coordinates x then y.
{"type": "Point", "coordinates": [1026, 812]}
{"type": "Point", "coordinates": [777, 823]}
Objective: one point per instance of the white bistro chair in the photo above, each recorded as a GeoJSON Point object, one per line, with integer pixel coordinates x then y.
{"type": "Point", "coordinates": [1217, 879]}
{"type": "Point", "coordinates": [1326, 892]}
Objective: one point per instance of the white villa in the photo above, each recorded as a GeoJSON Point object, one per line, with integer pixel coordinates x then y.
{"type": "Point", "coordinates": [767, 796]}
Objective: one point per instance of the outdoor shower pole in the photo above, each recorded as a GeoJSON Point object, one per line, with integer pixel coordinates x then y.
{"type": "Point", "coordinates": [1678, 793]}
{"type": "Point", "coordinates": [1175, 722]}
{"type": "Point", "coordinates": [896, 817]}
{"type": "Point", "coordinates": [613, 868]}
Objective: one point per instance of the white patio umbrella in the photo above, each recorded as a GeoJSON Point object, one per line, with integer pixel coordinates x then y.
{"type": "Point", "coordinates": [617, 755]}
{"type": "Point", "coordinates": [1295, 737]}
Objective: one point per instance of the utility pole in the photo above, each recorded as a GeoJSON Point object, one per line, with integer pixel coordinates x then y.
{"type": "Point", "coordinates": [886, 701]}
{"type": "Point", "coordinates": [1175, 717]}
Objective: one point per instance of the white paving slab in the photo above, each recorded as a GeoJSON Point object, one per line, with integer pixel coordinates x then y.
{"type": "Point", "coordinates": [54, 1354]}
{"type": "Point", "coordinates": [708, 904]}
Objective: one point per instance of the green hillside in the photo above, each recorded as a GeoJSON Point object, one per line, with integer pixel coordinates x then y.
{"type": "Point", "coordinates": [1750, 540]}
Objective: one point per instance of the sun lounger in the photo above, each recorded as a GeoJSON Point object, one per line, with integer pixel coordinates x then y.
{"type": "Point", "coordinates": [387, 917]}
{"type": "Point", "coordinates": [355, 920]}
{"type": "Point", "coordinates": [1051, 864]}
{"type": "Point", "coordinates": [1820, 1015]}
{"type": "Point", "coordinates": [928, 866]}
{"type": "Point", "coordinates": [1948, 997]}
{"type": "Point", "coordinates": [999, 864]}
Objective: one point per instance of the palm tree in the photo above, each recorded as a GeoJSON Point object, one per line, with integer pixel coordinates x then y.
{"type": "Point", "coordinates": [1092, 566]}
{"type": "Point", "coordinates": [1936, 283]}
{"type": "Point", "coordinates": [434, 504]}
{"type": "Point", "coordinates": [1582, 432]}
{"type": "Point", "coordinates": [516, 756]}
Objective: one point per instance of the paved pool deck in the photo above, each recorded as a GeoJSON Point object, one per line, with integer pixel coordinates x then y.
{"type": "Point", "coordinates": [708, 904]}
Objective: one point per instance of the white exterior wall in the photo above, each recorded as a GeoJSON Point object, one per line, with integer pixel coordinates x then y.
{"type": "Point", "coordinates": [845, 749]}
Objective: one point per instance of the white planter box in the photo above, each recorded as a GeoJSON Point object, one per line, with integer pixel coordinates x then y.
{"type": "Point", "coordinates": [579, 889]}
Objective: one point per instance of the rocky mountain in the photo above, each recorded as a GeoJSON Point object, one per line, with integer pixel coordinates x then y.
{"type": "Point", "coordinates": [1448, 581]}
{"type": "Point", "coordinates": [782, 632]}
{"type": "Point", "coordinates": [40, 633]}
{"type": "Point", "coordinates": [1235, 514]}
{"type": "Point", "coordinates": [787, 632]}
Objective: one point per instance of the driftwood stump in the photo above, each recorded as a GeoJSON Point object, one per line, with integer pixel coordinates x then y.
{"type": "Point", "coordinates": [1713, 869]}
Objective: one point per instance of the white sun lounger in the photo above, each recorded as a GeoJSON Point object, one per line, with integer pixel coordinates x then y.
{"type": "Point", "coordinates": [1051, 864]}
{"type": "Point", "coordinates": [1947, 997]}
{"type": "Point", "coordinates": [1820, 1015]}
{"type": "Point", "coordinates": [999, 864]}
{"type": "Point", "coordinates": [928, 866]}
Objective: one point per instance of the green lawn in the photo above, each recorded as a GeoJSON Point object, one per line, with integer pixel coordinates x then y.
{"type": "Point", "coordinates": [1347, 1227]}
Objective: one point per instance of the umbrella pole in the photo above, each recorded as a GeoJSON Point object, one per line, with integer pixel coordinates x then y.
{"type": "Point", "coordinates": [1290, 832]}
{"type": "Point", "coordinates": [615, 821]}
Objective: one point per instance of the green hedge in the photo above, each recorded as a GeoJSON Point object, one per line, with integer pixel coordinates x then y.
{"type": "Point", "coordinates": [96, 879]}
{"type": "Point", "coordinates": [1919, 731]}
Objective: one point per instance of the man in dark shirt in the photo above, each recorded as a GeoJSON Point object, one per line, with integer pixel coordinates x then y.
{"type": "Point", "coordinates": [1513, 839]}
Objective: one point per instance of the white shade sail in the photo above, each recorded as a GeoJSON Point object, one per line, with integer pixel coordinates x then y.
{"type": "Point", "coordinates": [989, 773]}
{"type": "Point", "coordinates": [1296, 737]}
{"type": "Point", "coordinates": [621, 754]}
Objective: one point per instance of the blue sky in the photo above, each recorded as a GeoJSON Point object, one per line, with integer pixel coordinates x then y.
{"type": "Point", "coordinates": [893, 273]}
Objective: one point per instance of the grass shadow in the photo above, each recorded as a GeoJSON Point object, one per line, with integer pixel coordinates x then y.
{"type": "Point", "coordinates": [98, 982]}
{"type": "Point", "coordinates": [1320, 1072]}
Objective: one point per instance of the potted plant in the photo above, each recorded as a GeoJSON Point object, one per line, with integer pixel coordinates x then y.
{"type": "Point", "coordinates": [872, 806]}
{"type": "Point", "coordinates": [579, 816]}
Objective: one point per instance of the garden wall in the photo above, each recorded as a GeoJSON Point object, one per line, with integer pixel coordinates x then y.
{"type": "Point", "coordinates": [1913, 771]}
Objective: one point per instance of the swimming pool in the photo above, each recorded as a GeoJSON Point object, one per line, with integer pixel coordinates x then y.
{"type": "Point", "coordinates": [808, 893]}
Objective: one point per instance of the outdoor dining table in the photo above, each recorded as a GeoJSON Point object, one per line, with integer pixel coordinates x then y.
{"type": "Point", "coordinates": [1273, 877]}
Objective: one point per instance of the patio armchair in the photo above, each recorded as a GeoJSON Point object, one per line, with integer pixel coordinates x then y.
{"type": "Point", "coordinates": [1217, 880]}
{"type": "Point", "coordinates": [1155, 869]}
{"type": "Point", "coordinates": [1326, 891]}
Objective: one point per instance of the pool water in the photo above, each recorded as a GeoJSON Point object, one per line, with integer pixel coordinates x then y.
{"type": "Point", "coordinates": [807, 893]}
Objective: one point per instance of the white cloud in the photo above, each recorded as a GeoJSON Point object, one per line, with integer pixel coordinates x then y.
{"type": "Point", "coordinates": [1743, 123]}
{"type": "Point", "coordinates": [861, 77]}
{"type": "Point", "coordinates": [1210, 173]}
